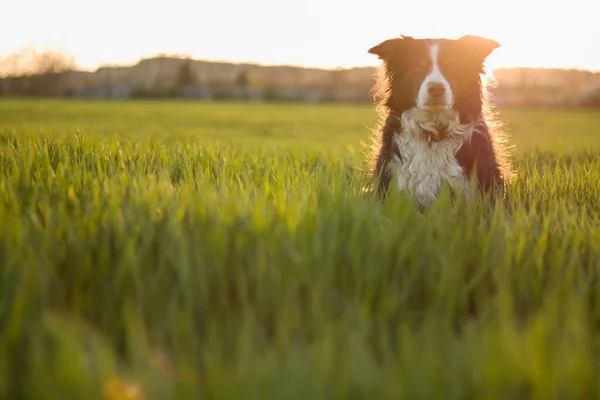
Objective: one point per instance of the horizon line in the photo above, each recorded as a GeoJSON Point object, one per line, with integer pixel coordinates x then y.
{"type": "Point", "coordinates": [301, 66]}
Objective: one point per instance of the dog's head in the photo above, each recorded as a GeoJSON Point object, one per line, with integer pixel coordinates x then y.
{"type": "Point", "coordinates": [435, 75]}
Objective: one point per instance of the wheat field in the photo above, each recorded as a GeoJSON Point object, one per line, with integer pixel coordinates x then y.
{"type": "Point", "coordinates": [187, 250]}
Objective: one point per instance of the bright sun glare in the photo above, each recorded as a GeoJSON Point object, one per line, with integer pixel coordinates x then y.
{"type": "Point", "coordinates": [323, 33]}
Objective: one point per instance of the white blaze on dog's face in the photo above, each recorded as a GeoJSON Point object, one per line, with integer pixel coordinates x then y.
{"type": "Point", "coordinates": [435, 91]}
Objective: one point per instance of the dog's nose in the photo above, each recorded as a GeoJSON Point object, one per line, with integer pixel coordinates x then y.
{"type": "Point", "coordinates": [436, 89]}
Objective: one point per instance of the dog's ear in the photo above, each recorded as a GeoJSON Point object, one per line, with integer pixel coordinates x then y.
{"type": "Point", "coordinates": [479, 46]}
{"type": "Point", "coordinates": [389, 48]}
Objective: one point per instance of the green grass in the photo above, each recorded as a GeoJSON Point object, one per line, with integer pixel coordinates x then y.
{"type": "Point", "coordinates": [221, 251]}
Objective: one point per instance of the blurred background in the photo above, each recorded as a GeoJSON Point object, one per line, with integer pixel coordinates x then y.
{"type": "Point", "coordinates": [268, 50]}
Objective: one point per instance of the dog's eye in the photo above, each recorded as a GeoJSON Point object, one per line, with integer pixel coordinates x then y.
{"type": "Point", "coordinates": [421, 65]}
{"type": "Point", "coordinates": [449, 63]}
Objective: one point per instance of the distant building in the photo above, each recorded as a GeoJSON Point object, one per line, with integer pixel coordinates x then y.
{"type": "Point", "coordinates": [588, 97]}
{"type": "Point", "coordinates": [105, 91]}
{"type": "Point", "coordinates": [166, 77]}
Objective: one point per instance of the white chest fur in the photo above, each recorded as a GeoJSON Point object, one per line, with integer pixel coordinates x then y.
{"type": "Point", "coordinates": [424, 167]}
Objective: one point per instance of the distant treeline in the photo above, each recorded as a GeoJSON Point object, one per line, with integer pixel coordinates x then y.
{"type": "Point", "coordinates": [49, 74]}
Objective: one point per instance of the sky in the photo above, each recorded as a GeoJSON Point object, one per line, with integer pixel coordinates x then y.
{"type": "Point", "coordinates": [312, 33]}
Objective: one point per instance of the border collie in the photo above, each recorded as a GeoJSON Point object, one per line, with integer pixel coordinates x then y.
{"type": "Point", "coordinates": [436, 125]}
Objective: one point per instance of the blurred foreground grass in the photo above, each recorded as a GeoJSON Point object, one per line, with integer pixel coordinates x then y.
{"type": "Point", "coordinates": [174, 250]}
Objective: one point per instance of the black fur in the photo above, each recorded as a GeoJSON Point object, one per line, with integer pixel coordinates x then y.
{"type": "Point", "coordinates": [477, 156]}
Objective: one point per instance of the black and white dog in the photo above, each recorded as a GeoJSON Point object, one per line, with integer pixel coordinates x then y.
{"type": "Point", "coordinates": [436, 127]}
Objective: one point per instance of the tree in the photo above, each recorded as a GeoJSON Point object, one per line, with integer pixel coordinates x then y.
{"type": "Point", "coordinates": [338, 78]}
{"type": "Point", "coordinates": [50, 62]}
{"type": "Point", "coordinates": [185, 75]}
{"type": "Point", "coordinates": [29, 61]}
{"type": "Point", "coordinates": [242, 79]}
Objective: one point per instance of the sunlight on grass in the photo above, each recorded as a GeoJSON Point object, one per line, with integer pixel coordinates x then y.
{"type": "Point", "coordinates": [158, 267]}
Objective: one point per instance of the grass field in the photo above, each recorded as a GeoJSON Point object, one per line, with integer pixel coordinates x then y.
{"type": "Point", "coordinates": [179, 250]}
